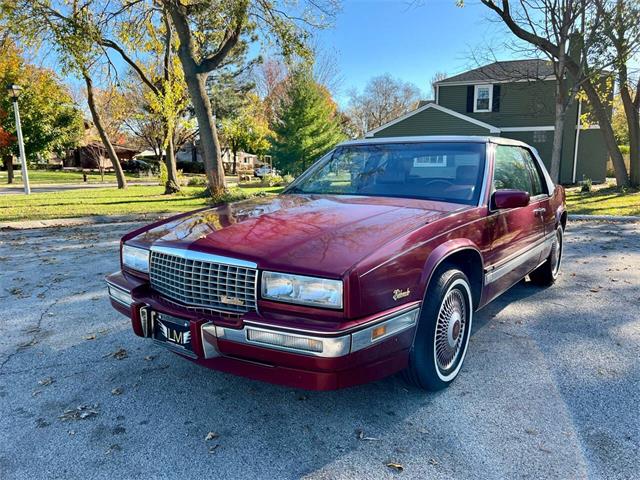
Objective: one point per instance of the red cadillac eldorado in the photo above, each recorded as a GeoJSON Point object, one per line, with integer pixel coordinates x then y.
{"type": "Point", "coordinates": [370, 263]}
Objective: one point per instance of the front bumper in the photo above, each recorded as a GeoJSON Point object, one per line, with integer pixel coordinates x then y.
{"type": "Point", "coordinates": [251, 347]}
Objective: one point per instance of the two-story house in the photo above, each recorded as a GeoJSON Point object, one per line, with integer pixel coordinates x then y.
{"type": "Point", "coordinates": [514, 99]}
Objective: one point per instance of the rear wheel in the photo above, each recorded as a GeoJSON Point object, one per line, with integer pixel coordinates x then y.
{"type": "Point", "coordinates": [547, 273]}
{"type": "Point", "coordinates": [443, 332]}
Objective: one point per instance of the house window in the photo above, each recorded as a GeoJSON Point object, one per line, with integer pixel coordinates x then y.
{"type": "Point", "coordinates": [483, 96]}
{"type": "Point", "coordinates": [539, 136]}
{"type": "Point", "coordinates": [430, 161]}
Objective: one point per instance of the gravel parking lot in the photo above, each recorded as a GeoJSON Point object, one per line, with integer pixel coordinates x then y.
{"type": "Point", "coordinates": [550, 386]}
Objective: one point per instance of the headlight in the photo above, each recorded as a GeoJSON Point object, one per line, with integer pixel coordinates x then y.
{"type": "Point", "coordinates": [317, 292]}
{"type": "Point", "coordinates": [135, 258]}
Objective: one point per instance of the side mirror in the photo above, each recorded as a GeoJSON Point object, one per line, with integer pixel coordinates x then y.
{"type": "Point", "coordinates": [509, 199]}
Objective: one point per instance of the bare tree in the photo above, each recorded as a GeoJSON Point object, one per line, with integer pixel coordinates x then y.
{"type": "Point", "coordinates": [383, 99]}
{"type": "Point", "coordinates": [547, 25]}
{"type": "Point", "coordinates": [438, 76]}
{"type": "Point", "coordinates": [621, 26]}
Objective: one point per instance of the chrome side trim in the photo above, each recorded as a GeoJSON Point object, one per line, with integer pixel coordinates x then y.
{"type": "Point", "coordinates": [201, 256]}
{"type": "Point", "coordinates": [519, 258]}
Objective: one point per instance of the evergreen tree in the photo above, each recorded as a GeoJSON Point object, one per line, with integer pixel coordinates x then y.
{"type": "Point", "coordinates": [308, 123]}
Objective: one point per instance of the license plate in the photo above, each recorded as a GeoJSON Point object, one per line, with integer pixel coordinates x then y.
{"type": "Point", "coordinates": [172, 331]}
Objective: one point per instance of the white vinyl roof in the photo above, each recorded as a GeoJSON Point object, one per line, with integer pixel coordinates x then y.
{"type": "Point", "coordinates": [433, 138]}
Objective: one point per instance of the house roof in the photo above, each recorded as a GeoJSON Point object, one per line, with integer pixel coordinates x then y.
{"type": "Point", "coordinates": [435, 106]}
{"type": "Point", "coordinates": [511, 70]}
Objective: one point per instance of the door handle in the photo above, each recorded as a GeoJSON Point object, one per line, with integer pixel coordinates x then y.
{"type": "Point", "coordinates": [539, 211]}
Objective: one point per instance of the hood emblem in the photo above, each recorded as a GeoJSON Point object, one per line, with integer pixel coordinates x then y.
{"type": "Point", "coordinates": [399, 293]}
{"type": "Point", "coordinates": [232, 300]}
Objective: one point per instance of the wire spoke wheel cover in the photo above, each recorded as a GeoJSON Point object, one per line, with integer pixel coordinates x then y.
{"type": "Point", "coordinates": [556, 253]}
{"type": "Point", "coordinates": [452, 329]}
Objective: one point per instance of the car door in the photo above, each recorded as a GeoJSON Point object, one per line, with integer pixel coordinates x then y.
{"type": "Point", "coordinates": [540, 195]}
{"type": "Point", "coordinates": [515, 233]}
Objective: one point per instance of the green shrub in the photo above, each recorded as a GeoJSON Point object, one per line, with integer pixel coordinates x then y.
{"type": "Point", "coordinates": [197, 182]}
{"type": "Point", "coordinates": [164, 175]}
{"type": "Point", "coordinates": [190, 167]}
{"type": "Point", "coordinates": [586, 184]}
{"type": "Point", "coordinates": [287, 179]}
{"type": "Point", "coordinates": [271, 180]}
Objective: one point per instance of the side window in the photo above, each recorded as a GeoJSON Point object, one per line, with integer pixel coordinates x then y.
{"type": "Point", "coordinates": [510, 170]}
{"type": "Point", "coordinates": [538, 182]}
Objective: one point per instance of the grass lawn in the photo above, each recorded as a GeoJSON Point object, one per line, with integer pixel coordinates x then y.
{"type": "Point", "coordinates": [64, 176]}
{"type": "Point", "coordinates": [110, 201]}
{"type": "Point", "coordinates": [603, 201]}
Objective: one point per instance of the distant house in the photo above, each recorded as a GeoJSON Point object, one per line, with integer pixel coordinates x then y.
{"type": "Point", "coordinates": [192, 152]}
{"type": "Point", "coordinates": [513, 99]}
{"type": "Point", "coordinates": [93, 156]}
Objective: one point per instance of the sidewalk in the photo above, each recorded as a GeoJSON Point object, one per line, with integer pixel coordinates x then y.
{"type": "Point", "coordinates": [18, 188]}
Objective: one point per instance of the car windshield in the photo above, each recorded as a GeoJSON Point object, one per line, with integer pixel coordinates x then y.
{"type": "Point", "coordinates": [443, 171]}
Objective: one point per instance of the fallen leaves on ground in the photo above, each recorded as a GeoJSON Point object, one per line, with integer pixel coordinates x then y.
{"type": "Point", "coordinates": [361, 436]}
{"type": "Point", "coordinates": [113, 448]}
{"type": "Point", "coordinates": [211, 436]}
{"type": "Point", "coordinates": [90, 337]}
{"type": "Point", "coordinates": [17, 292]}
{"type": "Point", "coordinates": [117, 391]}
{"type": "Point", "coordinates": [45, 381]}
{"type": "Point", "coordinates": [30, 343]}
{"type": "Point", "coordinates": [395, 466]}
{"type": "Point", "coordinates": [81, 412]}
{"type": "Point", "coordinates": [148, 358]}
{"type": "Point", "coordinates": [42, 423]}
{"type": "Point", "coordinates": [118, 354]}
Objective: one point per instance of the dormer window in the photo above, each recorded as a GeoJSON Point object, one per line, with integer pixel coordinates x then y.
{"type": "Point", "coordinates": [483, 98]}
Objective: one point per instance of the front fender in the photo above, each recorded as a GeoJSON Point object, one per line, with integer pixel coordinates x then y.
{"type": "Point", "coordinates": [441, 253]}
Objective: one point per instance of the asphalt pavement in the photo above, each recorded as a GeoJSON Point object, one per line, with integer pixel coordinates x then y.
{"type": "Point", "coordinates": [550, 387]}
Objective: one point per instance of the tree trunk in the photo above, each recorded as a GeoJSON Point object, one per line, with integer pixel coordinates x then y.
{"type": "Point", "coordinates": [633, 123]}
{"type": "Point", "coordinates": [558, 132]}
{"type": "Point", "coordinates": [634, 152]}
{"type": "Point", "coordinates": [172, 185]}
{"type": "Point", "coordinates": [604, 121]}
{"type": "Point", "coordinates": [8, 163]}
{"type": "Point", "coordinates": [212, 154]}
{"type": "Point", "coordinates": [97, 121]}
{"type": "Point", "coordinates": [235, 161]}
{"type": "Point", "coordinates": [209, 141]}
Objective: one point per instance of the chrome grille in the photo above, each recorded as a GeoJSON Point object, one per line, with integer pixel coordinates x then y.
{"type": "Point", "coordinates": [198, 282]}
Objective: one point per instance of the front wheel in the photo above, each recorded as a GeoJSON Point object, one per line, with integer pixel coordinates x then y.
{"type": "Point", "coordinates": [547, 273]}
{"type": "Point", "coordinates": [443, 332]}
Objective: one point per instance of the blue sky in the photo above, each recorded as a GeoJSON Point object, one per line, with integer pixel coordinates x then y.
{"type": "Point", "coordinates": [410, 40]}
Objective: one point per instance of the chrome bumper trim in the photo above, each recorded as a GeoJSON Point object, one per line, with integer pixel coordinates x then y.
{"type": "Point", "coordinates": [125, 294]}
{"type": "Point", "coordinates": [336, 346]}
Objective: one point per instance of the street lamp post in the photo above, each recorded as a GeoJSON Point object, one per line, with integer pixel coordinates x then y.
{"type": "Point", "coordinates": [14, 92]}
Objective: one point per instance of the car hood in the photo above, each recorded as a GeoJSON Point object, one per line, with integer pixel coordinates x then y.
{"type": "Point", "coordinates": [312, 234]}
